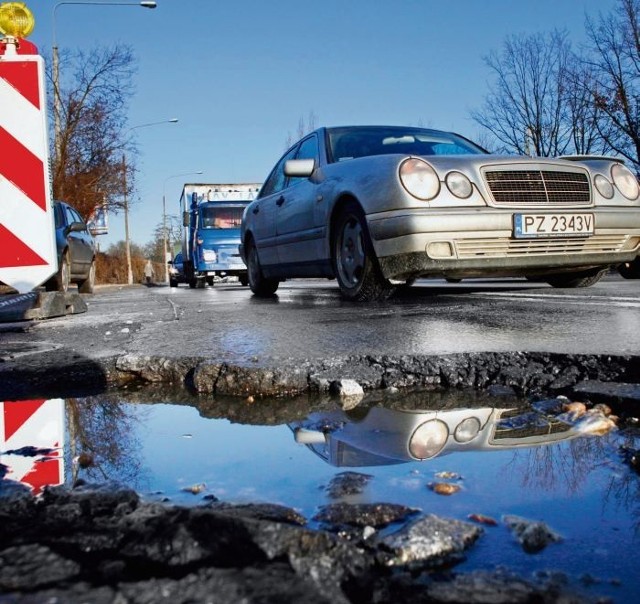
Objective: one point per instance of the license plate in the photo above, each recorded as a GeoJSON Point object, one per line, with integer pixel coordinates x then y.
{"type": "Point", "coordinates": [552, 225]}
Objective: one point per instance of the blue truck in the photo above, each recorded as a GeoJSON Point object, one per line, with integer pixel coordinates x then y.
{"type": "Point", "coordinates": [211, 218]}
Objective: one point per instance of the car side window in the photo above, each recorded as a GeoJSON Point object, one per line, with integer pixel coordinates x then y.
{"type": "Point", "coordinates": [68, 215]}
{"type": "Point", "coordinates": [308, 148]}
{"type": "Point", "coordinates": [74, 216]}
{"type": "Point", "coordinates": [277, 180]}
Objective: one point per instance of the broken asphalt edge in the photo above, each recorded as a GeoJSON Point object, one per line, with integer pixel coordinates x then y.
{"type": "Point", "coordinates": [64, 373]}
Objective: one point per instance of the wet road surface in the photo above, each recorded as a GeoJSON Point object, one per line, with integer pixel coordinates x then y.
{"type": "Point", "coordinates": [308, 319]}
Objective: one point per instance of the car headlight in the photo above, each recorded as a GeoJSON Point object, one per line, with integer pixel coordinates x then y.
{"type": "Point", "coordinates": [428, 439]}
{"type": "Point", "coordinates": [419, 178]}
{"type": "Point", "coordinates": [467, 429]}
{"type": "Point", "coordinates": [626, 182]}
{"type": "Point", "coordinates": [605, 188]}
{"type": "Point", "coordinates": [209, 255]}
{"type": "Point", "coordinates": [459, 184]}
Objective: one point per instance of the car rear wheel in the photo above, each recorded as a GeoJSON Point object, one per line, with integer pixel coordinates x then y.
{"type": "Point", "coordinates": [60, 281]}
{"type": "Point", "coordinates": [244, 280]}
{"type": "Point", "coordinates": [87, 286]}
{"type": "Point", "coordinates": [572, 280]}
{"type": "Point", "coordinates": [630, 270]}
{"type": "Point", "coordinates": [259, 284]}
{"type": "Point", "coordinates": [173, 283]}
{"type": "Point", "coordinates": [354, 260]}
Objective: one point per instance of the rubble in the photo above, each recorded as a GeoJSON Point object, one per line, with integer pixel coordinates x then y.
{"type": "Point", "coordinates": [102, 543]}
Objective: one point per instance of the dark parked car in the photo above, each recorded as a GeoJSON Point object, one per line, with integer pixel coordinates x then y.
{"type": "Point", "coordinates": [176, 271]}
{"type": "Point", "coordinates": [76, 251]}
{"type": "Point", "coordinates": [377, 207]}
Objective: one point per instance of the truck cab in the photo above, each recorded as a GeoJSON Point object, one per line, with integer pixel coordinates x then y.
{"type": "Point", "coordinates": [212, 215]}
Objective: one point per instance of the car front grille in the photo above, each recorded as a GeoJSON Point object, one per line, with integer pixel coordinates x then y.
{"type": "Point", "coordinates": [542, 187]}
{"type": "Point", "coordinates": [501, 247]}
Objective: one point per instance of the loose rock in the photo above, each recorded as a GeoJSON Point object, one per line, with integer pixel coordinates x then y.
{"type": "Point", "coordinates": [430, 540]}
{"type": "Point", "coordinates": [533, 536]}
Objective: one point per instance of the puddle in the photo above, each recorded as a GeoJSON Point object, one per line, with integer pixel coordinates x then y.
{"type": "Point", "coordinates": [503, 456]}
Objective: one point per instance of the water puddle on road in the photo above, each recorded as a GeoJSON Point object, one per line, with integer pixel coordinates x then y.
{"type": "Point", "coordinates": [496, 457]}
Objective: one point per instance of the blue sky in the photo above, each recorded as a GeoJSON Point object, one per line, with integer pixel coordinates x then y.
{"type": "Point", "coordinates": [240, 75]}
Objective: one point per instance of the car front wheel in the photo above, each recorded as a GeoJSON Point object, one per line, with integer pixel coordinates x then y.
{"type": "Point", "coordinates": [354, 260]}
{"type": "Point", "coordinates": [60, 281]}
{"type": "Point", "coordinates": [572, 280]}
{"type": "Point", "coordinates": [87, 286]}
{"type": "Point", "coordinates": [259, 284]}
{"type": "Point", "coordinates": [630, 270]}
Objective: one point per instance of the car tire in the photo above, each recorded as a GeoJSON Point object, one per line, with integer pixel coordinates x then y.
{"type": "Point", "coordinates": [573, 280]}
{"type": "Point", "coordinates": [61, 280]}
{"type": "Point", "coordinates": [630, 270]}
{"type": "Point", "coordinates": [88, 285]}
{"type": "Point", "coordinates": [244, 280]}
{"type": "Point", "coordinates": [173, 283]}
{"type": "Point", "coordinates": [259, 284]}
{"type": "Point", "coordinates": [210, 281]}
{"type": "Point", "coordinates": [354, 261]}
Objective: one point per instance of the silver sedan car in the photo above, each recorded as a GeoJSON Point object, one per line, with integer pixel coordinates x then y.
{"type": "Point", "coordinates": [379, 206]}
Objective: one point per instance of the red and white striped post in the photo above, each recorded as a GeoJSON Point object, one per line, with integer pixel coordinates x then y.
{"type": "Point", "coordinates": [38, 424]}
{"type": "Point", "coordinates": [27, 236]}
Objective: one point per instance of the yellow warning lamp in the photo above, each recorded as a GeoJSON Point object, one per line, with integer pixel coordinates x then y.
{"type": "Point", "coordinates": [16, 19]}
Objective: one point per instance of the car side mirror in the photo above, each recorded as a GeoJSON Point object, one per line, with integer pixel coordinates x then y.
{"type": "Point", "coordinates": [299, 167]}
{"type": "Point", "coordinates": [76, 227]}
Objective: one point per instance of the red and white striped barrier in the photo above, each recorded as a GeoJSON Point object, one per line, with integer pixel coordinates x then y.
{"type": "Point", "coordinates": [27, 239]}
{"type": "Point", "coordinates": [37, 424]}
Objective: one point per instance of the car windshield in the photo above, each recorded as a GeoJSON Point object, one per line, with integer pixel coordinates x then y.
{"type": "Point", "coordinates": [363, 141]}
{"type": "Point", "coordinates": [221, 218]}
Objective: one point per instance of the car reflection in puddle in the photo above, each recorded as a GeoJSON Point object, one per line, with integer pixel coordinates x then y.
{"type": "Point", "coordinates": [381, 436]}
{"type": "Point", "coordinates": [506, 456]}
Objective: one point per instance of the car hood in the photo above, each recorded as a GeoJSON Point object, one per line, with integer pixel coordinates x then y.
{"type": "Point", "coordinates": [510, 161]}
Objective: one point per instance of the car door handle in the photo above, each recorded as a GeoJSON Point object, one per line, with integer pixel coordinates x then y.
{"type": "Point", "coordinates": [256, 209]}
{"type": "Point", "coordinates": [280, 200]}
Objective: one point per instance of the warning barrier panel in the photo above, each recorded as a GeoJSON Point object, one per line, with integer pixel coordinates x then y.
{"type": "Point", "coordinates": [27, 232]}
{"type": "Point", "coordinates": [32, 442]}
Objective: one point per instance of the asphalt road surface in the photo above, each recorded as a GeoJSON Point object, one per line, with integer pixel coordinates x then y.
{"type": "Point", "coordinates": [308, 322]}
{"type": "Point", "coordinates": [308, 319]}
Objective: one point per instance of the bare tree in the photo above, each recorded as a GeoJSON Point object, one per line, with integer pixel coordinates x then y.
{"type": "Point", "coordinates": [615, 66]}
{"type": "Point", "coordinates": [582, 114]}
{"type": "Point", "coordinates": [154, 248]}
{"type": "Point", "coordinates": [304, 127]}
{"type": "Point", "coordinates": [94, 92]}
{"type": "Point", "coordinates": [103, 432]}
{"type": "Point", "coordinates": [534, 106]}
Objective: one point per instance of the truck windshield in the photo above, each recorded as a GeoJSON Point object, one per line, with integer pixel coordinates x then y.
{"type": "Point", "coordinates": [221, 218]}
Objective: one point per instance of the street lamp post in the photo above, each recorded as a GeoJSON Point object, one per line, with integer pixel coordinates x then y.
{"type": "Point", "coordinates": [164, 219]}
{"type": "Point", "coordinates": [56, 61]}
{"type": "Point", "coordinates": [125, 203]}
